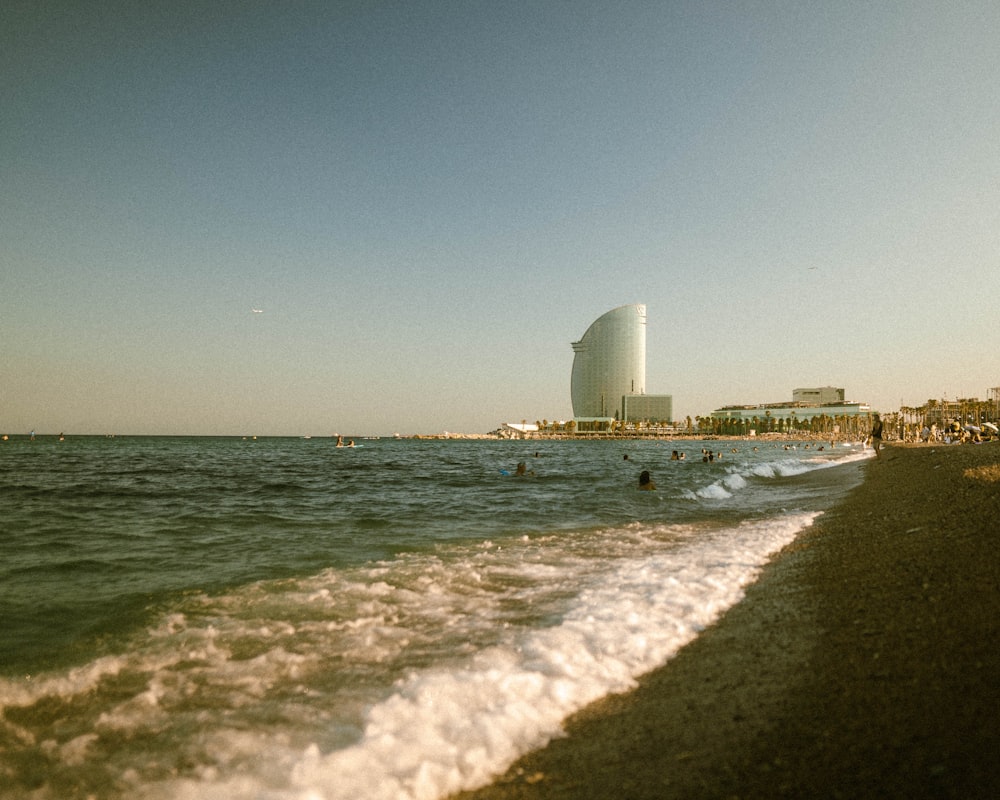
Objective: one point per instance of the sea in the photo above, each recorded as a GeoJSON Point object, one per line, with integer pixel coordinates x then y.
{"type": "Point", "coordinates": [278, 618]}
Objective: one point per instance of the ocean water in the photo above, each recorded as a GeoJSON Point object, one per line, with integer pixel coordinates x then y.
{"type": "Point", "coordinates": [281, 618]}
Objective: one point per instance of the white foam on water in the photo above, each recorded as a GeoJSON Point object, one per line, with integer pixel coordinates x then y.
{"type": "Point", "coordinates": [714, 491]}
{"type": "Point", "coordinates": [736, 476]}
{"type": "Point", "coordinates": [454, 726]}
{"type": "Point", "coordinates": [408, 678]}
{"type": "Point", "coordinates": [405, 679]}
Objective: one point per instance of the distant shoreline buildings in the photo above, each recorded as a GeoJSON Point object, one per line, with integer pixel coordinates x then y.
{"type": "Point", "coordinates": [812, 409]}
{"type": "Point", "coordinates": [608, 394]}
{"type": "Point", "coordinates": [608, 380]}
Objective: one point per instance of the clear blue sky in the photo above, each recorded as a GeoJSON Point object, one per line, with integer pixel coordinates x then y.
{"type": "Point", "coordinates": [431, 200]}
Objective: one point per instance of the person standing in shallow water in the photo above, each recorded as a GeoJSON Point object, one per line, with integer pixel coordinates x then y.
{"type": "Point", "coordinates": [877, 435]}
{"type": "Point", "coordinates": [645, 482]}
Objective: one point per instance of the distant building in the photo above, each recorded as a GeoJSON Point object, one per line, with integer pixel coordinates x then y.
{"type": "Point", "coordinates": [648, 407]}
{"type": "Point", "coordinates": [822, 408]}
{"type": "Point", "coordinates": [609, 371]}
{"type": "Point", "coordinates": [520, 430]}
{"type": "Point", "coordinates": [824, 395]}
{"type": "Point", "coordinates": [767, 416]}
{"type": "Point", "coordinates": [610, 362]}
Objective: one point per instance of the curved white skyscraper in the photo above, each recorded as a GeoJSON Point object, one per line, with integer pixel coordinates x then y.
{"type": "Point", "coordinates": [610, 362]}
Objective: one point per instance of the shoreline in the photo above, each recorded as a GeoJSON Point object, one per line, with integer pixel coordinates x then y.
{"type": "Point", "coordinates": [863, 662]}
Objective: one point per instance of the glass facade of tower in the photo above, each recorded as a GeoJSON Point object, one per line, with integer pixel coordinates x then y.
{"type": "Point", "coordinates": [610, 362]}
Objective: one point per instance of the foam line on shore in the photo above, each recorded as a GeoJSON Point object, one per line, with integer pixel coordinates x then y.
{"type": "Point", "coordinates": [856, 666]}
{"type": "Point", "coordinates": [446, 729]}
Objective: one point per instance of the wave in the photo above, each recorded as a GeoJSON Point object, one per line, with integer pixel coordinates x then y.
{"type": "Point", "coordinates": [410, 678]}
{"type": "Point", "coordinates": [372, 638]}
{"type": "Point", "coordinates": [740, 477]}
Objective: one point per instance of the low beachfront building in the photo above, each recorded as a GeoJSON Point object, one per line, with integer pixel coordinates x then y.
{"type": "Point", "coordinates": [846, 418]}
{"type": "Point", "coordinates": [518, 430]}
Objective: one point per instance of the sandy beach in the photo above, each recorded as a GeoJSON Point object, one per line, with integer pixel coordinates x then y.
{"type": "Point", "coordinates": [863, 663]}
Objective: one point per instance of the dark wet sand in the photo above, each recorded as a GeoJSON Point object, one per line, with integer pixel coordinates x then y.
{"type": "Point", "coordinates": [865, 662]}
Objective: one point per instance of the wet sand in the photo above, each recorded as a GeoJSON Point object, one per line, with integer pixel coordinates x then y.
{"type": "Point", "coordinates": [865, 662]}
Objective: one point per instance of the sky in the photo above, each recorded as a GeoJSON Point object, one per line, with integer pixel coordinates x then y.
{"type": "Point", "coordinates": [429, 201]}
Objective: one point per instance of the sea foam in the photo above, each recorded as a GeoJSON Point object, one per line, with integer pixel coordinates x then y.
{"type": "Point", "coordinates": [426, 667]}
{"type": "Point", "coordinates": [445, 730]}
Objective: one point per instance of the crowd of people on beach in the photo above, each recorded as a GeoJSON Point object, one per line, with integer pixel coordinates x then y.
{"type": "Point", "coordinates": [953, 433]}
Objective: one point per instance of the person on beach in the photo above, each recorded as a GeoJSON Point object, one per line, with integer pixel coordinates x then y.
{"type": "Point", "coordinates": [645, 482]}
{"type": "Point", "coordinates": [877, 434]}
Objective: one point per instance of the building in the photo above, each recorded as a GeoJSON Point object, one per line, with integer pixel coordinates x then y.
{"type": "Point", "coordinates": [648, 407]}
{"type": "Point", "coordinates": [518, 430]}
{"type": "Point", "coordinates": [818, 410]}
{"type": "Point", "coordinates": [609, 371]}
{"type": "Point", "coordinates": [823, 396]}
{"type": "Point", "coordinates": [769, 417]}
{"type": "Point", "coordinates": [610, 362]}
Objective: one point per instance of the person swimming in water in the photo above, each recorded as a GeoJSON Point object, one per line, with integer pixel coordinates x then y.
{"type": "Point", "coordinates": [645, 482]}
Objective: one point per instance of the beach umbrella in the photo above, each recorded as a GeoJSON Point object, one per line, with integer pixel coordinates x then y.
{"type": "Point", "coordinates": [973, 429]}
{"type": "Point", "coordinates": [991, 426]}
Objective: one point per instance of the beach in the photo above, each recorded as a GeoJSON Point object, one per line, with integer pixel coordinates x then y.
{"type": "Point", "coordinates": [862, 663]}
